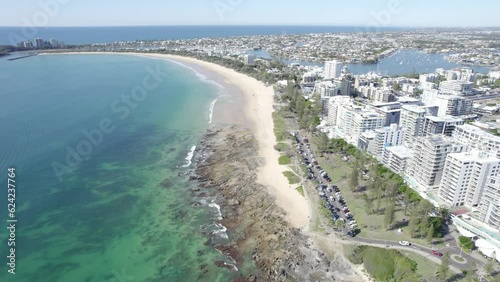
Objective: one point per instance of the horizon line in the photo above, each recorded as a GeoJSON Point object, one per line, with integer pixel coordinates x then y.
{"type": "Point", "coordinates": [249, 25]}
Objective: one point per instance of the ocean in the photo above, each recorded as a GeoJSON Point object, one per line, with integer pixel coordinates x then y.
{"type": "Point", "coordinates": [100, 144]}
{"type": "Point", "coordinates": [89, 35]}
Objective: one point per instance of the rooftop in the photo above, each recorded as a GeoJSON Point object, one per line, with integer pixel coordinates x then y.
{"type": "Point", "coordinates": [400, 151]}
{"type": "Point", "coordinates": [444, 119]}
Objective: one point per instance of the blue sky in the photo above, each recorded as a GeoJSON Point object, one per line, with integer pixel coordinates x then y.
{"type": "Point", "coordinates": [458, 13]}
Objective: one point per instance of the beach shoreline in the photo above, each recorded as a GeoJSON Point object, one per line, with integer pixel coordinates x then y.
{"type": "Point", "coordinates": [255, 100]}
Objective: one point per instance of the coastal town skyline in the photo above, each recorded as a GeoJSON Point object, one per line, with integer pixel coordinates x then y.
{"type": "Point", "coordinates": [244, 141]}
{"type": "Point", "coordinates": [392, 13]}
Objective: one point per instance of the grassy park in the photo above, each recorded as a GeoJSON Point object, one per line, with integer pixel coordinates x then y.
{"type": "Point", "coordinates": [374, 224]}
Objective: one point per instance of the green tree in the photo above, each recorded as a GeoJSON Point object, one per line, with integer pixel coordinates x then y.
{"type": "Point", "coordinates": [465, 243]}
{"type": "Point", "coordinates": [430, 233]}
{"type": "Point", "coordinates": [423, 225]}
{"type": "Point", "coordinates": [378, 196]}
{"type": "Point", "coordinates": [413, 224]}
{"type": "Point", "coordinates": [369, 206]}
{"type": "Point", "coordinates": [407, 200]}
{"type": "Point", "coordinates": [389, 214]}
{"type": "Point", "coordinates": [340, 224]}
{"type": "Point", "coordinates": [354, 179]}
{"type": "Point", "coordinates": [444, 268]}
{"type": "Point", "coordinates": [391, 190]}
{"type": "Point", "coordinates": [322, 142]}
{"type": "Point", "coordinates": [444, 213]}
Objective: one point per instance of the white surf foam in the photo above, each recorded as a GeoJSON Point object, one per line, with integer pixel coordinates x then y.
{"type": "Point", "coordinates": [210, 115]}
{"type": "Point", "coordinates": [217, 207]}
{"type": "Point", "coordinates": [189, 157]}
{"type": "Point", "coordinates": [221, 231]}
{"type": "Point", "coordinates": [201, 76]}
{"type": "Point", "coordinates": [231, 265]}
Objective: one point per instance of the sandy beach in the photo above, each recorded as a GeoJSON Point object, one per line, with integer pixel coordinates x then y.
{"type": "Point", "coordinates": [252, 98]}
{"type": "Point", "coordinates": [257, 107]}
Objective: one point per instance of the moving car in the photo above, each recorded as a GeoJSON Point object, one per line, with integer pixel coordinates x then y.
{"type": "Point", "coordinates": [404, 243]}
{"type": "Point", "coordinates": [437, 253]}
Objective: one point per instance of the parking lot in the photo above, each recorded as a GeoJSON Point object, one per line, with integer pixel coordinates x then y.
{"type": "Point", "coordinates": [329, 193]}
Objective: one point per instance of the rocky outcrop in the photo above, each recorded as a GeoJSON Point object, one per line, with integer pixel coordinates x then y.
{"type": "Point", "coordinates": [257, 226]}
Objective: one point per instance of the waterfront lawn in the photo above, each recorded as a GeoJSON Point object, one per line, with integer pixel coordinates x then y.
{"type": "Point", "coordinates": [300, 189]}
{"type": "Point", "coordinates": [383, 264]}
{"type": "Point", "coordinates": [425, 267]}
{"type": "Point", "coordinates": [279, 126]}
{"type": "Point", "coordinates": [292, 178]}
{"type": "Point", "coordinates": [284, 160]}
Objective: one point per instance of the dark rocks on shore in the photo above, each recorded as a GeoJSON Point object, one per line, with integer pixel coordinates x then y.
{"type": "Point", "coordinates": [259, 231]}
{"type": "Point", "coordinates": [202, 195]}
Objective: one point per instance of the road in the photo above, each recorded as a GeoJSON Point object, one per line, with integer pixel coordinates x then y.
{"type": "Point", "coordinates": [304, 149]}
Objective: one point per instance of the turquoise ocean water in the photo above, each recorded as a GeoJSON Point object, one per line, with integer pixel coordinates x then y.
{"type": "Point", "coordinates": [121, 212]}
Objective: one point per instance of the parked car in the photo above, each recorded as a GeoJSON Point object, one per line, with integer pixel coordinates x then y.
{"type": "Point", "coordinates": [437, 253]}
{"type": "Point", "coordinates": [352, 226]}
{"type": "Point", "coordinates": [353, 233]}
{"type": "Point", "coordinates": [404, 243]}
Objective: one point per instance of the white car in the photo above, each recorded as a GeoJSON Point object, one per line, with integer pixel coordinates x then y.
{"type": "Point", "coordinates": [404, 243]}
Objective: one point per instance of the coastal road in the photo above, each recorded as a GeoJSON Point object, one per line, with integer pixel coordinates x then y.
{"type": "Point", "coordinates": [451, 248]}
{"type": "Point", "coordinates": [422, 250]}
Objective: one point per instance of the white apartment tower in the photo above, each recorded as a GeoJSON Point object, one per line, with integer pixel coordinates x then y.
{"type": "Point", "coordinates": [396, 158]}
{"type": "Point", "coordinates": [249, 60]}
{"type": "Point", "coordinates": [412, 120]}
{"type": "Point", "coordinates": [441, 125]}
{"type": "Point", "coordinates": [332, 69]}
{"type": "Point", "coordinates": [388, 136]}
{"type": "Point", "coordinates": [429, 157]}
{"type": "Point", "coordinates": [333, 105]}
{"type": "Point", "coordinates": [489, 208]}
{"type": "Point", "coordinates": [448, 105]}
{"type": "Point", "coordinates": [465, 176]}
{"type": "Point", "coordinates": [477, 138]}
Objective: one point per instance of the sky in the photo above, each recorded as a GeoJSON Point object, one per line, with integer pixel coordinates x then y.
{"type": "Point", "coordinates": [399, 13]}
